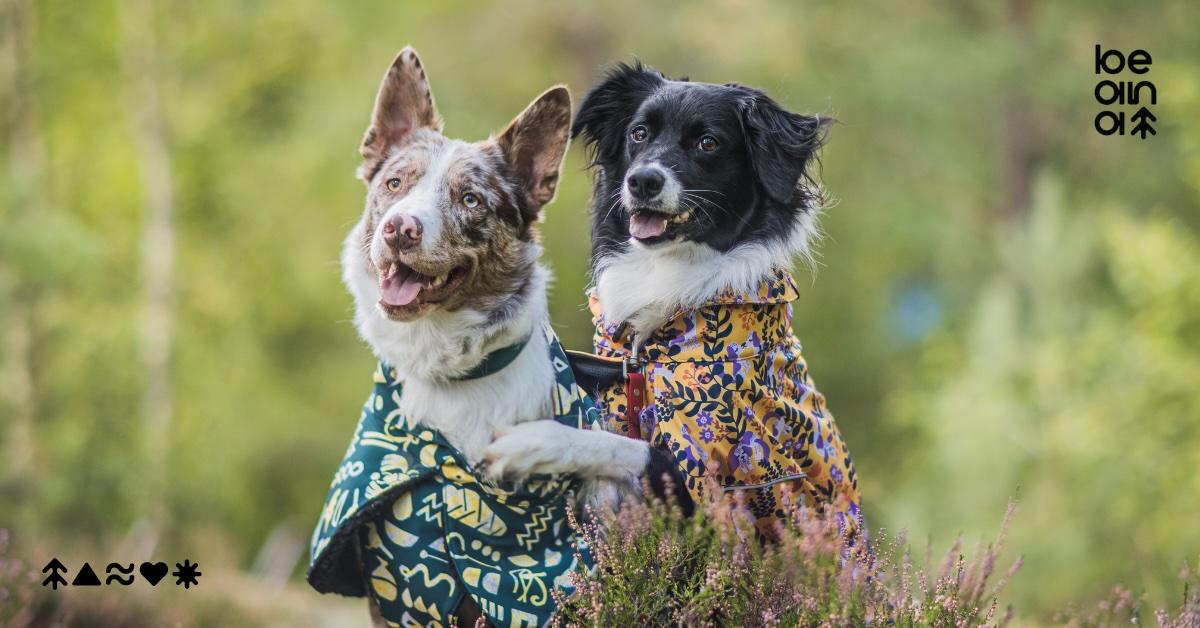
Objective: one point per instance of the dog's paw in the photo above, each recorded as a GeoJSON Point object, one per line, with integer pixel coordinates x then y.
{"type": "Point", "coordinates": [605, 495]}
{"type": "Point", "coordinates": [529, 448]}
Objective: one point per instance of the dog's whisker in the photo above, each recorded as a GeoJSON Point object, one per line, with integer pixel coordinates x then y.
{"type": "Point", "coordinates": [696, 205]}
{"type": "Point", "coordinates": [610, 210]}
{"type": "Point", "coordinates": [702, 199]}
{"type": "Point", "coordinates": [692, 205]}
{"type": "Point", "coordinates": [713, 191]}
{"type": "Point", "coordinates": [698, 194]}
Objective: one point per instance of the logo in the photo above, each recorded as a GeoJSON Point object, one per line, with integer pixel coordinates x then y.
{"type": "Point", "coordinates": [1137, 92]}
{"type": "Point", "coordinates": [187, 574]}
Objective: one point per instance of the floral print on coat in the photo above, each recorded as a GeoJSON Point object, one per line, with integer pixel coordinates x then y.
{"type": "Point", "coordinates": [730, 396]}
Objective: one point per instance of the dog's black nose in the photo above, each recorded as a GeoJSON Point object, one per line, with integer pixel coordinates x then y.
{"type": "Point", "coordinates": [645, 183]}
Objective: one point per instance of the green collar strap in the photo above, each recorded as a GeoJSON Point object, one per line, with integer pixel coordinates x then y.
{"type": "Point", "coordinates": [494, 362]}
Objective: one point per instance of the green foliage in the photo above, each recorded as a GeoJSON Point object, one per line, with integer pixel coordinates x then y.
{"type": "Point", "coordinates": [1076, 382]}
{"type": "Point", "coordinates": [1058, 352]}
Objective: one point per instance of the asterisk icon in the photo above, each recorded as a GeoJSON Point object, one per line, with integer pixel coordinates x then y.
{"type": "Point", "coordinates": [187, 574]}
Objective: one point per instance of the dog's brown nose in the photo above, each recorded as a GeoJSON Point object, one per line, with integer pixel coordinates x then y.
{"type": "Point", "coordinates": [402, 231]}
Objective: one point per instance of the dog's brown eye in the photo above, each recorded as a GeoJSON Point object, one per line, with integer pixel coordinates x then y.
{"type": "Point", "coordinates": [470, 201]}
{"type": "Point", "coordinates": [708, 143]}
{"type": "Point", "coordinates": [639, 134]}
{"type": "Point", "coordinates": [393, 184]}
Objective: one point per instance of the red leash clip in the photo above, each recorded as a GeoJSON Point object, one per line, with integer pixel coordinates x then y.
{"type": "Point", "coordinates": [635, 393]}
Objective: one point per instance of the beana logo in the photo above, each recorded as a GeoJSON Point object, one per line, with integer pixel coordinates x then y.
{"type": "Point", "coordinates": [1110, 92]}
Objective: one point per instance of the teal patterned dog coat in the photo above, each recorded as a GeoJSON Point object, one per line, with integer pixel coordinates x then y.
{"type": "Point", "coordinates": [431, 529]}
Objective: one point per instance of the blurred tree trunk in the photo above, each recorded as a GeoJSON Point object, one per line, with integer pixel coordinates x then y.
{"type": "Point", "coordinates": [1020, 145]}
{"type": "Point", "coordinates": [141, 60]}
{"type": "Point", "coordinates": [24, 165]}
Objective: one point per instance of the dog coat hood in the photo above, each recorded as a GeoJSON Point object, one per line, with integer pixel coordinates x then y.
{"type": "Point", "coordinates": [432, 530]}
{"type": "Point", "coordinates": [729, 395]}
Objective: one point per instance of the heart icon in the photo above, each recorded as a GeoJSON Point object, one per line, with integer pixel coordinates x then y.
{"type": "Point", "coordinates": [153, 572]}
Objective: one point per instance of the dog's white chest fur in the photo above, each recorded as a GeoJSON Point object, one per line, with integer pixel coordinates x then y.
{"type": "Point", "coordinates": [469, 413]}
{"type": "Point", "coordinates": [423, 352]}
{"type": "Point", "coordinates": [644, 286]}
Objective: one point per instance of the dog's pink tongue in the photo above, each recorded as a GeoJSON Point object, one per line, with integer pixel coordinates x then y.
{"type": "Point", "coordinates": [644, 225]}
{"type": "Point", "coordinates": [400, 289]}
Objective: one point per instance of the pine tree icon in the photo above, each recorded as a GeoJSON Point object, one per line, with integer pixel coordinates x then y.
{"type": "Point", "coordinates": [56, 569]}
{"type": "Point", "coordinates": [1142, 119]}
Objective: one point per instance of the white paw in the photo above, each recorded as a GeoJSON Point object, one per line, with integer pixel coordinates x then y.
{"type": "Point", "coordinates": [605, 496]}
{"type": "Point", "coordinates": [529, 448]}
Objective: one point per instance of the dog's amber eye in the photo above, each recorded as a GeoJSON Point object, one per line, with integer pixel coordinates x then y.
{"type": "Point", "coordinates": [639, 134]}
{"type": "Point", "coordinates": [708, 143]}
{"type": "Point", "coordinates": [470, 201]}
{"type": "Point", "coordinates": [393, 184]}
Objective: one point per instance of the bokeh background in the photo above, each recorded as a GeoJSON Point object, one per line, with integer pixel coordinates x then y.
{"type": "Point", "coordinates": [1007, 303]}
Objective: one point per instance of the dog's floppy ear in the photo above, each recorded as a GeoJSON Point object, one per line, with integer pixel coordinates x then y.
{"type": "Point", "coordinates": [534, 144]}
{"type": "Point", "coordinates": [404, 104]}
{"type": "Point", "coordinates": [781, 143]}
{"type": "Point", "coordinates": [607, 108]}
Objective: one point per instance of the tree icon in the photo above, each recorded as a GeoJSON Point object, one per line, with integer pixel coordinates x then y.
{"type": "Point", "coordinates": [56, 569]}
{"type": "Point", "coordinates": [1142, 119]}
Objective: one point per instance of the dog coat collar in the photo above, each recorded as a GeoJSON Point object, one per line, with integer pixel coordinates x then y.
{"type": "Point", "coordinates": [777, 288]}
{"type": "Point", "coordinates": [494, 362]}
{"type": "Point", "coordinates": [728, 394]}
{"type": "Point", "coordinates": [432, 529]}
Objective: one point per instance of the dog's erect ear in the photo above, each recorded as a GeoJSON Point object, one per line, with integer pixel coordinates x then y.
{"type": "Point", "coordinates": [534, 145]}
{"type": "Point", "coordinates": [404, 104]}
{"type": "Point", "coordinates": [781, 143]}
{"type": "Point", "coordinates": [607, 108]}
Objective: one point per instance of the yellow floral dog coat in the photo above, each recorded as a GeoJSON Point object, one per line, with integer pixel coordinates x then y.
{"type": "Point", "coordinates": [729, 395]}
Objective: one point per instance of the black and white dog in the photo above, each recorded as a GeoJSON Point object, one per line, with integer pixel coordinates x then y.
{"type": "Point", "coordinates": [700, 188]}
{"type": "Point", "coordinates": [702, 198]}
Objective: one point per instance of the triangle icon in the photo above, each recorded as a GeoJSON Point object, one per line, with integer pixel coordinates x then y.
{"type": "Point", "coordinates": [86, 577]}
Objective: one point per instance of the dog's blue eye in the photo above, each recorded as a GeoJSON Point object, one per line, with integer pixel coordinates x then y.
{"type": "Point", "coordinates": [708, 143]}
{"type": "Point", "coordinates": [470, 200]}
{"type": "Point", "coordinates": [639, 134]}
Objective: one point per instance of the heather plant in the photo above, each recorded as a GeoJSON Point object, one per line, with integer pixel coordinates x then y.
{"type": "Point", "coordinates": [1123, 607]}
{"type": "Point", "coordinates": [653, 566]}
{"type": "Point", "coordinates": [17, 583]}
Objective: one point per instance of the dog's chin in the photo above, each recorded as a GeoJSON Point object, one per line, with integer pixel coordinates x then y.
{"type": "Point", "coordinates": [407, 294]}
{"type": "Point", "coordinates": [660, 227]}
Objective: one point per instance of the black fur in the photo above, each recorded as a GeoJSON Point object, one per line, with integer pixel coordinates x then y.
{"type": "Point", "coordinates": [666, 480]}
{"type": "Point", "coordinates": [751, 188]}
